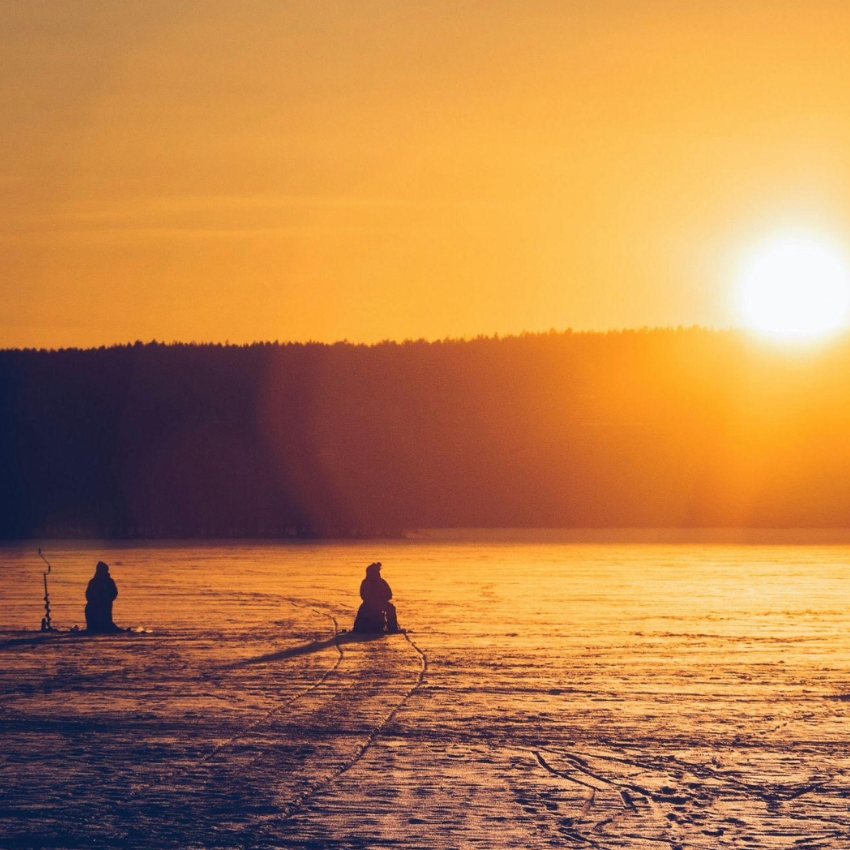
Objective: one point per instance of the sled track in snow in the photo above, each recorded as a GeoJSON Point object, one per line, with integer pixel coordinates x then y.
{"type": "Point", "coordinates": [265, 716]}
{"type": "Point", "coordinates": [257, 721]}
{"type": "Point", "coordinates": [291, 809]}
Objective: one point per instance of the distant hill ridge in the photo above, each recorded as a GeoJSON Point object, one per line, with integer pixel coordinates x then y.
{"type": "Point", "coordinates": [686, 427]}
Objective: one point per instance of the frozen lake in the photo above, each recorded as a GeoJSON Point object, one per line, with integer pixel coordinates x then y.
{"type": "Point", "coordinates": [547, 695]}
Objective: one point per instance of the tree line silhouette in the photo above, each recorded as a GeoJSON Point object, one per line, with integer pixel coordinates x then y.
{"type": "Point", "coordinates": [684, 427]}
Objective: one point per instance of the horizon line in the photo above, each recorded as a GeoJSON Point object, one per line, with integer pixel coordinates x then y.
{"type": "Point", "coordinates": [388, 341]}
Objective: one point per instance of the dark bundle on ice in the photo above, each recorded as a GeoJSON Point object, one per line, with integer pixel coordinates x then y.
{"type": "Point", "coordinates": [100, 594]}
{"type": "Point", "coordinates": [376, 614]}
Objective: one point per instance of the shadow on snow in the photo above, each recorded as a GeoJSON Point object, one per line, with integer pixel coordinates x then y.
{"type": "Point", "coordinates": [305, 649]}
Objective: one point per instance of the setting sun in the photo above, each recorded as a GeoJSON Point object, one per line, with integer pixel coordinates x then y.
{"type": "Point", "coordinates": [795, 286]}
{"type": "Point", "coordinates": [424, 424]}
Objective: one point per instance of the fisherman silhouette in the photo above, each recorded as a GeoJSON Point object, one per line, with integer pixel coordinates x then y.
{"type": "Point", "coordinates": [377, 614]}
{"type": "Point", "coordinates": [100, 594]}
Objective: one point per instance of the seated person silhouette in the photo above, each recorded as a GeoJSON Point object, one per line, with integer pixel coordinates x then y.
{"type": "Point", "coordinates": [377, 614]}
{"type": "Point", "coordinates": [100, 594]}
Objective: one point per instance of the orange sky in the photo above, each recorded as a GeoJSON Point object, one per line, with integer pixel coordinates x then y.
{"type": "Point", "coordinates": [384, 169]}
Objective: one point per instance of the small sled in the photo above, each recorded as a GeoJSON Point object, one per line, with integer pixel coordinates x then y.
{"type": "Point", "coordinates": [375, 621]}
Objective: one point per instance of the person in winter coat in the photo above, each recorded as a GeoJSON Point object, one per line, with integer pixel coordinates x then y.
{"type": "Point", "coordinates": [377, 613]}
{"type": "Point", "coordinates": [100, 594]}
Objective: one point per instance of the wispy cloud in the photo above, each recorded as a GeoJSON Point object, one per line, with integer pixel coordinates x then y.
{"type": "Point", "coordinates": [198, 217]}
{"type": "Point", "coordinates": [207, 204]}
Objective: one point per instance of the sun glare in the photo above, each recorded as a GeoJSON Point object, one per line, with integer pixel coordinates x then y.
{"type": "Point", "coordinates": [795, 287]}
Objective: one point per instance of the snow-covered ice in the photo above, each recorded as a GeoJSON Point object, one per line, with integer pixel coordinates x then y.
{"type": "Point", "coordinates": [546, 695]}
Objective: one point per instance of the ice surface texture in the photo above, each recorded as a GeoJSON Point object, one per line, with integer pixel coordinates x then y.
{"type": "Point", "coordinates": [547, 696]}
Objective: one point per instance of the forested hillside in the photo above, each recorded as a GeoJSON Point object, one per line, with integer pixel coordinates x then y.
{"type": "Point", "coordinates": [637, 428]}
